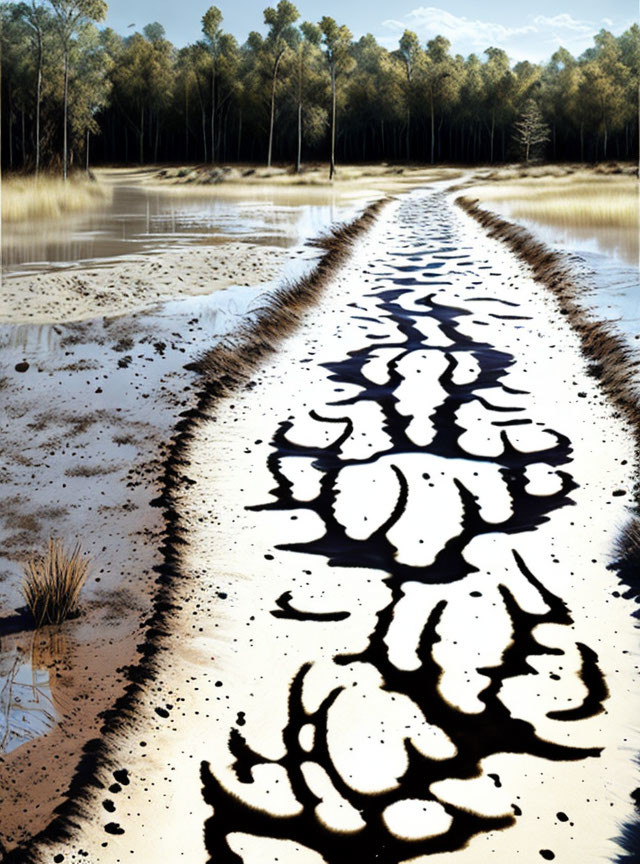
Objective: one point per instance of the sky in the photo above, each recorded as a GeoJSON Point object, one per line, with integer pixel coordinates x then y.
{"type": "Point", "coordinates": [524, 32]}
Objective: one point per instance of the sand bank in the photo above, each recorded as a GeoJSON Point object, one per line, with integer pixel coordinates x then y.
{"type": "Point", "coordinates": [389, 562]}
{"type": "Point", "coordinates": [226, 179]}
{"type": "Point", "coordinates": [129, 285]}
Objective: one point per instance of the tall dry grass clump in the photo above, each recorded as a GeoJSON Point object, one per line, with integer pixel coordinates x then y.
{"type": "Point", "coordinates": [27, 198]}
{"type": "Point", "coordinates": [52, 583]}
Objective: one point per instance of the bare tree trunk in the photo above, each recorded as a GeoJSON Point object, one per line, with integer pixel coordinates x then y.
{"type": "Point", "coordinates": [38, 100]}
{"type": "Point", "coordinates": [332, 167]}
{"type": "Point", "coordinates": [224, 136]}
{"type": "Point", "coordinates": [204, 133]}
{"type": "Point", "coordinates": [10, 130]}
{"type": "Point", "coordinates": [221, 126]}
{"type": "Point", "coordinates": [299, 156]}
{"type": "Point", "coordinates": [408, 134]}
{"type": "Point", "coordinates": [606, 134]}
{"type": "Point", "coordinates": [239, 134]}
{"type": "Point", "coordinates": [273, 108]}
{"type": "Point", "coordinates": [36, 21]}
{"type": "Point", "coordinates": [186, 120]}
{"type": "Point", "coordinates": [213, 111]}
{"type": "Point", "coordinates": [87, 152]}
{"type": "Point", "coordinates": [493, 128]}
{"type": "Point", "coordinates": [433, 130]}
{"type": "Point", "coordinates": [24, 141]}
{"type": "Point", "coordinates": [582, 142]}
{"type": "Point", "coordinates": [141, 134]}
{"type": "Point", "coordinates": [157, 141]}
{"type": "Point", "coordinates": [66, 109]}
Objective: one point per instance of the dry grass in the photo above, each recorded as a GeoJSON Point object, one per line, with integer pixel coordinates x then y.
{"type": "Point", "coordinates": [52, 583]}
{"type": "Point", "coordinates": [595, 202]}
{"type": "Point", "coordinates": [27, 198]}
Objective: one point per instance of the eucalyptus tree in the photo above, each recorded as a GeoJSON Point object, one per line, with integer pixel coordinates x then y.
{"type": "Point", "coordinates": [336, 40]}
{"type": "Point", "coordinates": [559, 96]}
{"type": "Point", "coordinates": [629, 43]}
{"type": "Point", "coordinates": [375, 96]}
{"type": "Point", "coordinates": [211, 21]}
{"type": "Point", "coordinates": [280, 39]}
{"type": "Point", "coordinates": [604, 87]}
{"type": "Point", "coordinates": [70, 15]}
{"type": "Point", "coordinates": [409, 53]}
{"type": "Point", "coordinates": [440, 78]}
{"type": "Point", "coordinates": [471, 100]}
{"type": "Point", "coordinates": [228, 88]}
{"type": "Point", "coordinates": [94, 55]}
{"type": "Point", "coordinates": [307, 41]}
{"type": "Point", "coordinates": [38, 20]}
{"type": "Point", "coordinates": [143, 82]}
{"type": "Point", "coordinates": [498, 82]}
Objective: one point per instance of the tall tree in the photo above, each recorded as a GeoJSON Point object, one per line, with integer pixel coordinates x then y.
{"type": "Point", "coordinates": [498, 80]}
{"type": "Point", "coordinates": [337, 42]}
{"type": "Point", "coordinates": [70, 15]}
{"type": "Point", "coordinates": [409, 52]}
{"type": "Point", "coordinates": [211, 21]}
{"type": "Point", "coordinates": [37, 19]}
{"type": "Point", "coordinates": [308, 41]}
{"type": "Point", "coordinates": [91, 86]}
{"type": "Point", "coordinates": [441, 82]}
{"type": "Point", "coordinates": [281, 36]}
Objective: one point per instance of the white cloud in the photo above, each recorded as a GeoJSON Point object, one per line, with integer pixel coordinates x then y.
{"type": "Point", "coordinates": [428, 21]}
{"type": "Point", "coordinates": [564, 21]}
{"type": "Point", "coordinates": [536, 39]}
{"type": "Point", "coordinates": [607, 22]}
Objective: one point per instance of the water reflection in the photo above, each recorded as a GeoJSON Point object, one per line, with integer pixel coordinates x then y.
{"type": "Point", "coordinates": [620, 243]}
{"type": "Point", "coordinates": [142, 221]}
{"type": "Point", "coordinates": [27, 706]}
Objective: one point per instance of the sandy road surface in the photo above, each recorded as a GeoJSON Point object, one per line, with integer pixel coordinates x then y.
{"type": "Point", "coordinates": [395, 634]}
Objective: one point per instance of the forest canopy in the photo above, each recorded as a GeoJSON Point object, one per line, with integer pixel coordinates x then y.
{"type": "Point", "coordinates": [74, 92]}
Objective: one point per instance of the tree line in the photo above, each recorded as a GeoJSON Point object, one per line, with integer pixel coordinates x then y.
{"type": "Point", "coordinates": [72, 91]}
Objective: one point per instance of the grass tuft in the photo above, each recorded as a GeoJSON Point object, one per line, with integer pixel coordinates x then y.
{"type": "Point", "coordinates": [52, 583]}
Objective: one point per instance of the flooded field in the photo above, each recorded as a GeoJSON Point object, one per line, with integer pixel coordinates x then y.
{"type": "Point", "coordinates": [596, 219]}
{"type": "Point", "coordinates": [141, 221]}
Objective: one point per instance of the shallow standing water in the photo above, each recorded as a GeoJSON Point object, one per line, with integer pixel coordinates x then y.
{"type": "Point", "coordinates": [607, 266]}
{"type": "Point", "coordinates": [143, 221]}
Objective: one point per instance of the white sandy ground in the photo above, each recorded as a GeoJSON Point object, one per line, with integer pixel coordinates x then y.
{"type": "Point", "coordinates": [136, 283]}
{"type": "Point", "coordinates": [227, 654]}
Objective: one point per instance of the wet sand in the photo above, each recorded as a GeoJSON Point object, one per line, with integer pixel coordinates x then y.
{"type": "Point", "coordinates": [88, 413]}
{"type": "Point", "coordinates": [397, 538]}
{"type": "Point", "coordinates": [135, 284]}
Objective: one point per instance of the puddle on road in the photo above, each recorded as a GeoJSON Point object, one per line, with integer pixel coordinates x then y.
{"type": "Point", "coordinates": [27, 708]}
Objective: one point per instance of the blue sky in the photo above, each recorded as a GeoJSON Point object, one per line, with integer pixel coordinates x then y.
{"type": "Point", "coordinates": [525, 32]}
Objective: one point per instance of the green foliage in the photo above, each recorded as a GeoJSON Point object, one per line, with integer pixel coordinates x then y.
{"type": "Point", "coordinates": [281, 93]}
